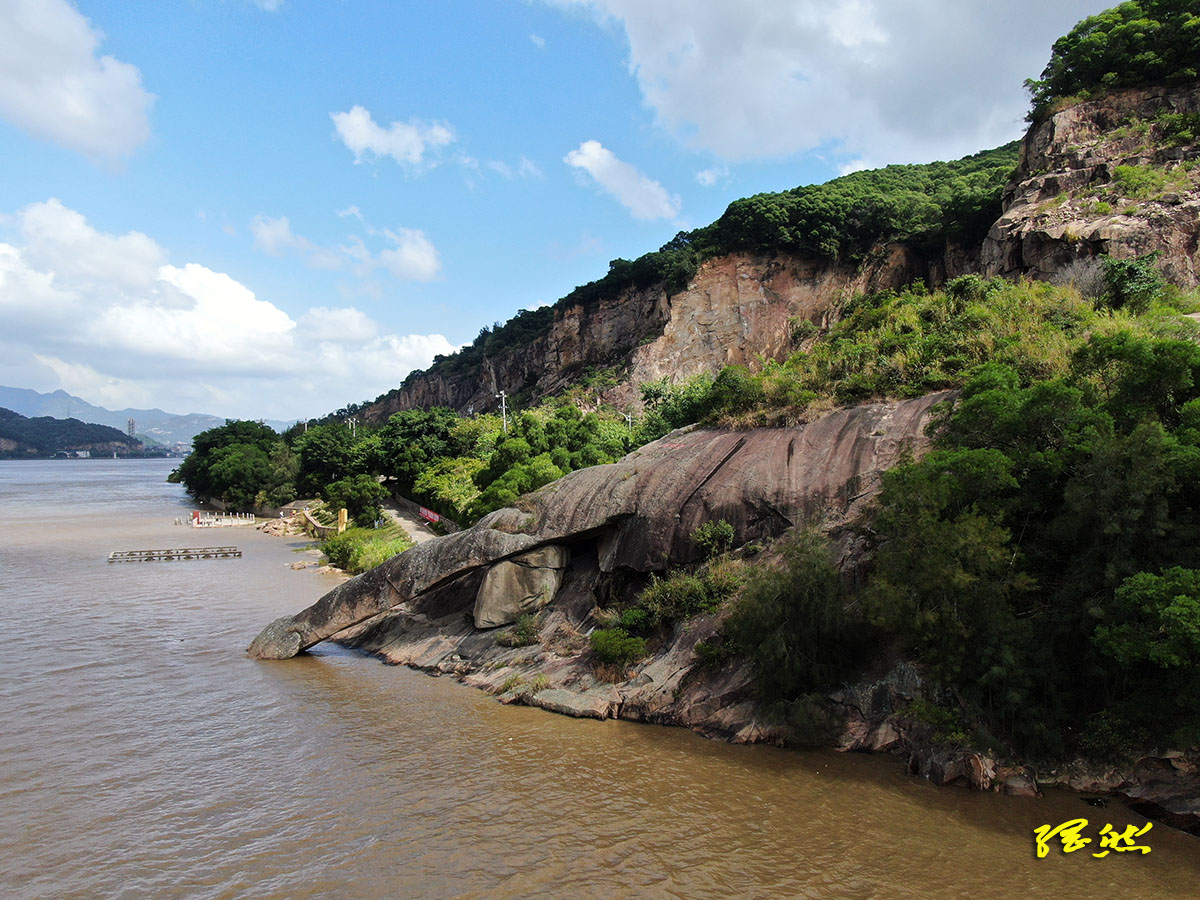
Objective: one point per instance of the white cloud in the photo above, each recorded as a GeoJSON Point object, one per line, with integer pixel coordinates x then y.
{"type": "Point", "coordinates": [413, 255]}
{"type": "Point", "coordinates": [538, 41]}
{"type": "Point", "coordinates": [500, 167]}
{"type": "Point", "coordinates": [101, 390]}
{"type": "Point", "coordinates": [405, 142]}
{"type": "Point", "coordinates": [274, 236]}
{"type": "Point", "coordinates": [110, 318]}
{"type": "Point", "coordinates": [885, 80]}
{"type": "Point", "coordinates": [527, 168]}
{"type": "Point", "coordinates": [410, 255]}
{"type": "Point", "coordinates": [342, 325]}
{"type": "Point", "coordinates": [709, 177]}
{"type": "Point", "coordinates": [268, 5]}
{"type": "Point", "coordinates": [642, 196]}
{"type": "Point", "coordinates": [53, 85]}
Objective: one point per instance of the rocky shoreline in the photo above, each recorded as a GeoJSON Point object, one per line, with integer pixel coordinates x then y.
{"type": "Point", "coordinates": [557, 674]}
{"type": "Point", "coordinates": [446, 605]}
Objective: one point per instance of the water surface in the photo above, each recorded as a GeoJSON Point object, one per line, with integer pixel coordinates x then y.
{"type": "Point", "coordinates": [142, 755]}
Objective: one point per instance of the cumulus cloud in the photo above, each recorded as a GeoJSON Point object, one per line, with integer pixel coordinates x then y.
{"type": "Point", "coordinates": [55, 87]}
{"type": "Point", "coordinates": [413, 255]}
{"type": "Point", "coordinates": [709, 177]}
{"type": "Point", "coordinates": [102, 390]}
{"type": "Point", "coordinates": [110, 318]}
{"type": "Point", "coordinates": [405, 142]}
{"type": "Point", "coordinates": [408, 253]}
{"type": "Point", "coordinates": [268, 5]}
{"type": "Point", "coordinates": [642, 196]}
{"type": "Point", "coordinates": [885, 80]}
{"type": "Point", "coordinates": [538, 41]}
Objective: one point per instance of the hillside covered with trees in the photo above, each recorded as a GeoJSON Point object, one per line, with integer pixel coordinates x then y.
{"type": "Point", "coordinates": [45, 436]}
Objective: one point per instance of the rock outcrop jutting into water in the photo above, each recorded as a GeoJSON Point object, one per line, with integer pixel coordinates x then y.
{"type": "Point", "coordinates": [637, 514]}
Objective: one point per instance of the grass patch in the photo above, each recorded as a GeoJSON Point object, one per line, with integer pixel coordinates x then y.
{"type": "Point", "coordinates": [1147, 182]}
{"type": "Point", "coordinates": [617, 647]}
{"type": "Point", "coordinates": [358, 549]}
{"type": "Point", "coordinates": [523, 633]}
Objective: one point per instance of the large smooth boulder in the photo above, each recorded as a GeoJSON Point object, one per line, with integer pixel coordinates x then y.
{"type": "Point", "coordinates": [642, 511]}
{"type": "Point", "coordinates": [523, 584]}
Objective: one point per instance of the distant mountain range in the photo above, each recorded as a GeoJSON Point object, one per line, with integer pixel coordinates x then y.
{"type": "Point", "coordinates": [150, 425]}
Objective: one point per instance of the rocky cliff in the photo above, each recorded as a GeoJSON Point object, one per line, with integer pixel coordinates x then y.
{"type": "Point", "coordinates": [1109, 176]}
{"type": "Point", "coordinates": [737, 310]}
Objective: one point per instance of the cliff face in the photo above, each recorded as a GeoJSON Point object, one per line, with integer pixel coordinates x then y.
{"type": "Point", "coordinates": [736, 310]}
{"type": "Point", "coordinates": [1102, 177]}
{"type": "Point", "coordinates": [580, 337]}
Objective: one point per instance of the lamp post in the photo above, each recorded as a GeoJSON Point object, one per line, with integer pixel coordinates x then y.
{"type": "Point", "coordinates": [504, 410]}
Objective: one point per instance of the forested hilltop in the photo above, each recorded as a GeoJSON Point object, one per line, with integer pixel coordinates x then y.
{"type": "Point", "coordinates": [841, 220]}
{"type": "Point", "coordinates": [1039, 565]}
{"type": "Point", "coordinates": [42, 436]}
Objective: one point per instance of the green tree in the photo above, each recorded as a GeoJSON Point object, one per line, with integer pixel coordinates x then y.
{"type": "Point", "coordinates": [412, 441]}
{"type": "Point", "coordinates": [236, 462]}
{"type": "Point", "coordinates": [1140, 42]}
{"type": "Point", "coordinates": [360, 496]}
{"type": "Point", "coordinates": [326, 454]}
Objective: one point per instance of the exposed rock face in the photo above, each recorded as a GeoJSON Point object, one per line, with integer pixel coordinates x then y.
{"type": "Point", "coordinates": [736, 310]}
{"type": "Point", "coordinates": [639, 514]}
{"type": "Point", "coordinates": [1065, 205]}
{"type": "Point", "coordinates": [523, 584]}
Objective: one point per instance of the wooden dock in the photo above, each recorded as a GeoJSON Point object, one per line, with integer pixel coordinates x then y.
{"type": "Point", "coordinates": [174, 553]}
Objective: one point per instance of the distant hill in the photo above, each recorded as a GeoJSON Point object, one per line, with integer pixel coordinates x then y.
{"type": "Point", "coordinates": [44, 436]}
{"type": "Point", "coordinates": [150, 425]}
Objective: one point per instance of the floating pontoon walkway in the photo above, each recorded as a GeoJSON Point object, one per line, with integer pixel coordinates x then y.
{"type": "Point", "coordinates": [173, 554]}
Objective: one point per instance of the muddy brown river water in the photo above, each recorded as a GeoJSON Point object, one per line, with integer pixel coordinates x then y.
{"type": "Point", "coordinates": [142, 755]}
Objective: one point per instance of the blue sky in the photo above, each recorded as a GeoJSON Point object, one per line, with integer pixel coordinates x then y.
{"type": "Point", "coordinates": [271, 208]}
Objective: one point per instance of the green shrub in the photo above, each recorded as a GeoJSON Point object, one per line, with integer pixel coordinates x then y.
{"type": "Point", "coordinates": [713, 538]}
{"type": "Point", "coordinates": [359, 549]}
{"type": "Point", "coordinates": [616, 646]}
{"type": "Point", "coordinates": [808, 720]}
{"type": "Point", "coordinates": [635, 620]}
{"type": "Point", "coordinates": [713, 654]}
{"type": "Point", "coordinates": [681, 595]}
{"type": "Point", "coordinates": [360, 496]}
{"type": "Point", "coordinates": [1140, 182]}
{"type": "Point", "coordinates": [1132, 284]}
{"type": "Point", "coordinates": [1178, 129]}
{"type": "Point", "coordinates": [949, 727]}
{"type": "Point", "coordinates": [523, 633]}
{"type": "Point", "coordinates": [794, 623]}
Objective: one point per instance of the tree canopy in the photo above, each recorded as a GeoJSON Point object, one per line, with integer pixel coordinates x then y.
{"type": "Point", "coordinates": [1141, 42]}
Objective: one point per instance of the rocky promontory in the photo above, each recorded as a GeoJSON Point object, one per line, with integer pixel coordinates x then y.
{"type": "Point", "coordinates": [635, 516]}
